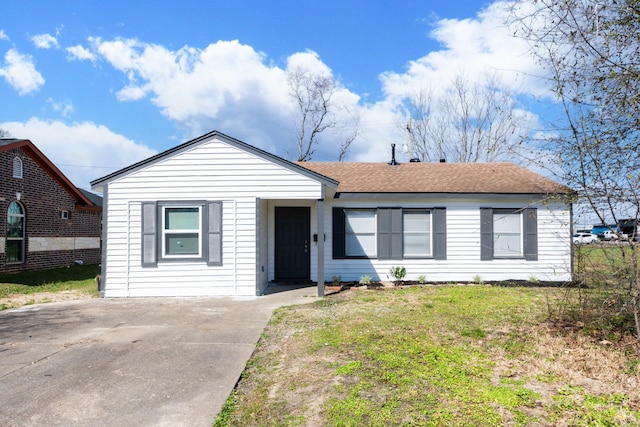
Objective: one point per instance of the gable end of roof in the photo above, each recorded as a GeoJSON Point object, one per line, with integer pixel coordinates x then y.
{"type": "Point", "coordinates": [206, 137]}
{"type": "Point", "coordinates": [51, 169]}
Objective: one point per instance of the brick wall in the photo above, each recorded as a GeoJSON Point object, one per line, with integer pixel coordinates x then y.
{"type": "Point", "coordinates": [43, 200]}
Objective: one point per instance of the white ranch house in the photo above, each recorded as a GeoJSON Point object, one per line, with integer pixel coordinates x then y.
{"type": "Point", "coordinates": [215, 216]}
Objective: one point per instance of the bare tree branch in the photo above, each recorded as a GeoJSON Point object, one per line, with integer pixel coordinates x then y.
{"type": "Point", "coordinates": [470, 122]}
{"type": "Point", "coordinates": [313, 96]}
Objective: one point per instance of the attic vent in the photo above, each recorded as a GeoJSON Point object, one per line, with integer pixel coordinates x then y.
{"type": "Point", "coordinates": [64, 214]}
{"type": "Point", "coordinates": [17, 167]}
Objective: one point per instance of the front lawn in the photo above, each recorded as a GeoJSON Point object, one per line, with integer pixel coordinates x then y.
{"type": "Point", "coordinates": [434, 355]}
{"type": "Point", "coordinates": [39, 286]}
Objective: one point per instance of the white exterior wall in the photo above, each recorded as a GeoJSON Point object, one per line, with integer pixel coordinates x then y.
{"type": "Point", "coordinates": [463, 245]}
{"type": "Point", "coordinates": [262, 264]}
{"type": "Point", "coordinates": [212, 170]}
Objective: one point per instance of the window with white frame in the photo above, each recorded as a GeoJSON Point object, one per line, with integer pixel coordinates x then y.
{"type": "Point", "coordinates": [182, 232]}
{"type": "Point", "coordinates": [360, 232]}
{"type": "Point", "coordinates": [389, 233]}
{"type": "Point", "coordinates": [416, 233]}
{"type": "Point", "coordinates": [507, 234]}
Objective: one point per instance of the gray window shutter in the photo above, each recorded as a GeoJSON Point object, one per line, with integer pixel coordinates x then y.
{"type": "Point", "coordinates": [389, 231]}
{"type": "Point", "coordinates": [149, 234]}
{"type": "Point", "coordinates": [530, 226]}
{"type": "Point", "coordinates": [214, 233]}
{"type": "Point", "coordinates": [339, 244]}
{"type": "Point", "coordinates": [440, 233]}
{"type": "Point", "coordinates": [384, 233]}
{"type": "Point", "coordinates": [486, 234]}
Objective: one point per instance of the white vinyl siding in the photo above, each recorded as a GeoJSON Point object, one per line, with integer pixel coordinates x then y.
{"type": "Point", "coordinates": [462, 261]}
{"type": "Point", "coordinates": [215, 171]}
{"type": "Point", "coordinates": [249, 187]}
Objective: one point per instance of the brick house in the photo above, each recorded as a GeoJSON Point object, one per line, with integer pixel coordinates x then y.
{"type": "Point", "coordinates": [45, 220]}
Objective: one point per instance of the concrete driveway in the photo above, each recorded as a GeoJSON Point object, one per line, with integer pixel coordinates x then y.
{"type": "Point", "coordinates": [129, 362]}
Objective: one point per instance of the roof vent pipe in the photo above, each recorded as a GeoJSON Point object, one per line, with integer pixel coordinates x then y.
{"type": "Point", "coordinates": [393, 155]}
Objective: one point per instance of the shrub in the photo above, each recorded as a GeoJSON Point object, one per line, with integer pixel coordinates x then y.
{"type": "Point", "coordinates": [398, 273]}
{"type": "Point", "coordinates": [365, 280]}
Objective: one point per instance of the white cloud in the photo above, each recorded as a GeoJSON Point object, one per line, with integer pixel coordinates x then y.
{"type": "Point", "coordinates": [82, 151]}
{"type": "Point", "coordinates": [63, 107]}
{"type": "Point", "coordinates": [231, 87]}
{"type": "Point", "coordinates": [20, 72]}
{"type": "Point", "coordinates": [3, 35]}
{"type": "Point", "coordinates": [473, 47]}
{"type": "Point", "coordinates": [45, 41]}
{"type": "Point", "coordinates": [309, 61]}
{"type": "Point", "coordinates": [225, 86]}
{"type": "Point", "coordinates": [80, 53]}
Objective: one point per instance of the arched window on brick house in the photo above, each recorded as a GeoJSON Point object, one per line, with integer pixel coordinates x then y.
{"type": "Point", "coordinates": [15, 233]}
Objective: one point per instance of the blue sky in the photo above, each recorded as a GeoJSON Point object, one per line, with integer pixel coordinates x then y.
{"type": "Point", "coordinates": [100, 85]}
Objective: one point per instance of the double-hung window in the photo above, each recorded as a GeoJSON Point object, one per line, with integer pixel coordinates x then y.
{"type": "Point", "coordinates": [509, 233]}
{"type": "Point", "coordinates": [360, 229]}
{"type": "Point", "coordinates": [416, 234]}
{"type": "Point", "coordinates": [181, 231]}
{"type": "Point", "coordinates": [389, 233]}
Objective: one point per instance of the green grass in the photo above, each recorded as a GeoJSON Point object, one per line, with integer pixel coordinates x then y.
{"type": "Point", "coordinates": [76, 278]}
{"type": "Point", "coordinates": [429, 356]}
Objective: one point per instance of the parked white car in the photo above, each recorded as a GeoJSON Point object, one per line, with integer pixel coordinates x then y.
{"type": "Point", "coordinates": [584, 238]}
{"type": "Point", "coordinates": [612, 235]}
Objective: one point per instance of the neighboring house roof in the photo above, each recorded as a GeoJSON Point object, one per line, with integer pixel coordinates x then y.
{"type": "Point", "coordinates": [96, 199]}
{"type": "Point", "coordinates": [423, 177]}
{"type": "Point", "coordinates": [203, 139]}
{"type": "Point", "coordinates": [82, 200]}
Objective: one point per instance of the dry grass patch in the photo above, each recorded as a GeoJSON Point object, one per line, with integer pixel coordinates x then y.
{"type": "Point", "coordinates": [435, 355]}
{"type": "Point", "coordinates": [36, 287]}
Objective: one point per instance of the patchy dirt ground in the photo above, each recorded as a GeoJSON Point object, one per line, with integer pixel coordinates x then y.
{"type": "Point", "coordinates": [16, 301]}
{"type": "Point", "coordinates": [285, 376]}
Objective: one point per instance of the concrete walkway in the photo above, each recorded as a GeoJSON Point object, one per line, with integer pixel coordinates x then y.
{"type": "Point", "coordinates": [129, 362]}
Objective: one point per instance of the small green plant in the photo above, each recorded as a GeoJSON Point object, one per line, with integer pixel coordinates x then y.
{"type": "Point", "coordinates": [398, 273]}
{"type": "Point", "coordinates": [478, 280]}
{"type": "Point", "coordinates": [533, 280]}
{"type": "Point", "coordinates": [336, 280]}
{"type": "Point", "coordinates": [365, 280]}
{"type": "Point", "coordinates": [225, 416]}
{"type": "Point", "coordinates": [422, 279]}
